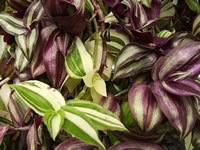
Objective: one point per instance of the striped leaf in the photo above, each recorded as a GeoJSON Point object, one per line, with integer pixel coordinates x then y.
{"type": "Point", "coordinates": [132, 60]}
{"type": "Point", "coordinates": [31, 138]}
{"type": "Point", "coordinates": [54, 121]}
{"type": "Point", "coordinates": [80, 126]}
{"type": "Point", "coordinates": [167, 8]}
{"type": "Point", "coordinates": [74, 143]}
{"type": "Point", "coordinates": [146, 3]}
{"type": "Point", "coordinates": [193, 5]}
{"type": "Point", "coordinates": [53, 59]}
{"type": "Point", "coordinates": [79, 62]}
{"type": "Point", "coordinates": [3, 130]}
{"type": "Point", "coordinates": [21, 63]}
{"type": "Point", "coordinates": [174, 60]}
{"type": "Point", "coordinates": [144, 108]}
{"type": "Point", "coordinates": [4, 48]}
{"type": "Point", "coordinates": [15, 114]}
{"type": "Point", "coordinates": [136, 145]}
{"type": "Point", "coordinates": [33, 14]}
{"type": "Point", "coordinates": [180, 111]}
{"type": "Point", "coordinates": [27, 42]}
{"type": "Point", "coordinates": [196, 26]}
{"type": "Point", "coordinates": [39, 96]}
{"type": "Point", "coordinates": [12, 25]}
{"type": "Point", "coordinates": [102, 118]}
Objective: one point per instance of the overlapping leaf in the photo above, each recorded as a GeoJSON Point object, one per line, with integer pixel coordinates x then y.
{"type": "Point", "coordinates": [19, 5]}
{"type": "Point", "coordinates": [39, 96]}
{"type": "Point", "coordinates": [31, 138]}
{"type": "Point", "coordinates": [103, 118]}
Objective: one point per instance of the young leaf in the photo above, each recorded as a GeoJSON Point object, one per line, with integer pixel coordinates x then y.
{"type": "Point", "coordinates": [80, 126]}
{"type": "Point", "coordinates": [103, 118]}
{"type": "Point", "coordinates": [39, 96]}
{"type": "Point", "coordinates": [54, 121]}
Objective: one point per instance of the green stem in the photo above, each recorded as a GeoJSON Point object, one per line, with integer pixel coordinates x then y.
{"type": "Point", "coordinates": [81, 93]}
{"type": "Point", "coordinates": [122, 92]}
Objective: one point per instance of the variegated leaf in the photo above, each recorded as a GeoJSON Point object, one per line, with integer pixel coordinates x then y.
{"type": "Point", "coordinates": [74, 143]}
{"type": "Point", "coordinates": [3, 130]}
{"type": "Point", "coordinates": [80, 126]}
{"type": "Point", "coordinates": [196, 26]}
{"type": "Point", "coordinates": [132, 60]}
{"type": "Point", "coordinates": [180, 111]}
{"type": "Point", "coordinates": [12, 25]}
{"type": "Point", "coordinates": [15, 114]}
{"type": "Point", "coordinates": [21, 63]}
{"type": "Point", "coordinates": [31, 138]}
{"type": "Point", "coordinates": [33, 14]}
{"type": "Point", "coordinates": [39, 96]}
{"type": "Point", "coordinates": [54, 121]}
{"type": "Point", "coordinates": [144, 108]}
{"type": "Point", "coordinates": [193, 5]}
{"type": "Point", "coordinates": [79, 63]}
{"type": "Point", "coordinates": [103, 118]}
{"type": "Point", "coordinates": [27, 42]}
{"type": "Point", "coordinates": [4, 48]}
{"type": "Point", "coordinates": [167, 8]}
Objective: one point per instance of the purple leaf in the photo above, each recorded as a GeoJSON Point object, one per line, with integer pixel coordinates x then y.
{"type": "Point", "coordinates": [3, 130]}
{"type": "Point", "coordinates": [138, 15]}
{"type": "Point", "coordinates": [136, 145]}
{"type": "Point", "coordinates": [111, 104]}
{"type": "Point", "coordinates": [33, 14]}
{"type": "Point", "coordinates": [19, 5]}
{"type": "Point", "coordinates": [176, 59]}
{"type": "Point", "coordinates": [111, 3]}
{"type": "Point", "coordinates": [186, 87]}
{"type": "Point", "coordinates": [60, 12]}
{"type": "Point", "coordinates": [74, 143]}
{"type": "Point", "coordinates": [144, 108]}
{"type": "Point", "coordinates": [15, 114]}
{"type": "Point", "coordinates": [180, 111]}
{"type": "Point", "coordinates": [37, 65]}
{"type": "Point", "coordinates": [31, 138]}
{"type": "Point", "coordinates": [154, 11]}
{"type": "Point", "coordinates": [54, 61]}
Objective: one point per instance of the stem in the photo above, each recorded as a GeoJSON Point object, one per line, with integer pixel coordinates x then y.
{"type": "Point", "coordinates": [121, 92]}
{"type": "Point", "coordinates": [4, 81]}
{"type": "Point", "coordinates": [81, 93]}
{"type": "Point", "coordinates": [22, 128]}
{"type": "Point", "coordinates": [102, 6]}
{"type": "Point", "coordinates": [102, 28]}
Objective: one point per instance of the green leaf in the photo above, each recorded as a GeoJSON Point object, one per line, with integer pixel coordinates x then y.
{"type": "Point", "coordinates": [103, 119]}
{"type": "Point", "coordinates": [39, 96]}
{"type": "Point", "coordinates": [54, 121]}
{"type": "Point", "coordinates": [80, 126]}
{"type": "Point", "coordinates": [99, 84]}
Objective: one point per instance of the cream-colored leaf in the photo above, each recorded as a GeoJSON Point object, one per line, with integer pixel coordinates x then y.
{"type": "Point", "coordinates": [99, 84]}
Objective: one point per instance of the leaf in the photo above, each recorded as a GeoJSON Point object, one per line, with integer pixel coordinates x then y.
{"type": "Point", "coordinates": [19, 5]}
{"type": "Point", "coordinates": [15, 114]}
{"type": "Point", "coordinates": [80, 126]}
{"type": "Point", "coordinates": [21, 63]}
{"type": "Point", "coordinates": [144, 108]}
{"type": "Point", "coordinates": [12, 25]}
{"type": "Point", "coordinates": [103, 118]}
{"type": "Point", "coordinates": [176, 59]}
{"type": "Point", "coordinates": [31, 138]}
{"type": "Point", "coordinates": [33, 14]}
{"type": "Point", "coordinates": [74, 143]}
{"type": "Point", "coordinates": [39, 96]}
{"type": "Point", "coordinates": [27, 42]}
{"type": "Point", "coordinates": [185, 87]}
{"type": "Point", "coordinates": [180, 111]}
{"type": "Point", "coordinates": [54, 121]}
{"type": "Point", "coordinates": [99, 84]}
{"type": "Point", "coordinates": [79, 62]}
{"type": "Point", "coordinates": [53, 59]}
{"type": "Point", "coordinates": [3, 130]}
{"type": "Point", "coordinates": [193, 5]}
{"type": "Point", "coordinates": [136, 145]}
